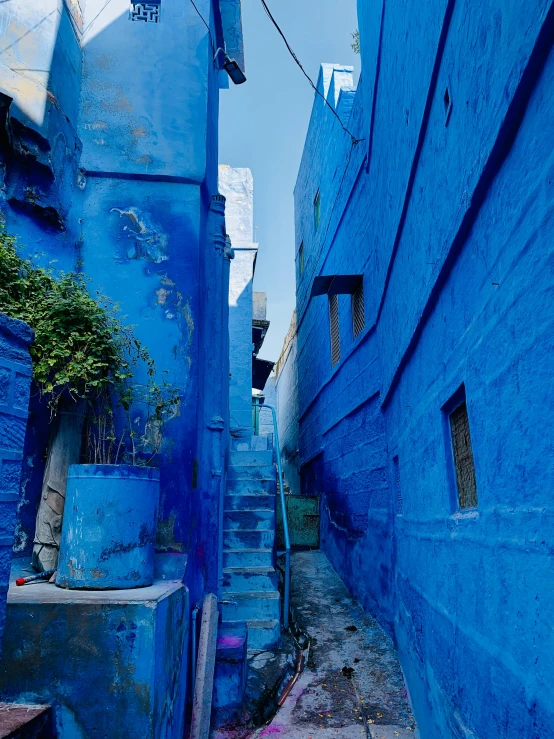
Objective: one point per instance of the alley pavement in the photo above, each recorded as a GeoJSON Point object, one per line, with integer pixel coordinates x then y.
{"type": "Point", "coordinates": [353, 684]}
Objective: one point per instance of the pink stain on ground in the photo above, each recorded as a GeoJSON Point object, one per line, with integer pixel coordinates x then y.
{"type": "Point", "coordinates": [229, 641]}
{"type": "Point", "coordinates": [271, 730]}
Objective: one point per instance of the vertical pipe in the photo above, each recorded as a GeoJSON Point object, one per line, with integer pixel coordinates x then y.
{"type": "Point", "coordinates": [286, 604]}
{"type": "Point", "coordinates": [193, 641]}
{"type": "Point", "coordinates": [228, 254]}
{"type": "Point", "coordinates": [203, 686]}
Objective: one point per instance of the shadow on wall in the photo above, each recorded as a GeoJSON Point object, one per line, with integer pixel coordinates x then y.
{"type": "Point", "coordinates": [110, 211]}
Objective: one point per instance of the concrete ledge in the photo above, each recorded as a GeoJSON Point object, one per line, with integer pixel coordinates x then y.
{"type": "Point", "coordinates": [103, 659]}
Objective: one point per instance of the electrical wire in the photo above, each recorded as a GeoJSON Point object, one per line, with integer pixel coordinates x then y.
{"type": "Point", "coordinates": [207, 26]}
{"type": "Point", "coordinates": [306, 75]}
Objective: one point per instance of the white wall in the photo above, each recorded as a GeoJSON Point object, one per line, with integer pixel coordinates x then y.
{"type": "Point", "coordinates": [237, 186]}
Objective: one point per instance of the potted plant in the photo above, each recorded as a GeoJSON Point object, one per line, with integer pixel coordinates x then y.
{"type": "Point", "coordinates": [85, 363]}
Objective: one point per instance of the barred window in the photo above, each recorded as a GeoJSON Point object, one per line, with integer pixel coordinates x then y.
{"type": "Point", "coordinates": [463, 457]}
{"type": "Point", "coordinates": [334, 323]}
{"type": "Point", "coordinates": [317, 210]}
{"type": "Point", "coordinates": [358, 310]}
{"type": "Point", "coordinates": [301, 259]}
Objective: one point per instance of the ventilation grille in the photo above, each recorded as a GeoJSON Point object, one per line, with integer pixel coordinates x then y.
{"type": "Point", "coordinates": [358, 310]}
{"type": "Point", "coordinates": [463, 458]}
{"type": "Point", "coordinates": [335, 334]}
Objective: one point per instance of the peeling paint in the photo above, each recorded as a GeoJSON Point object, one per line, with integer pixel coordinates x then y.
{"type": "Point", "coordinates": [150, 241]}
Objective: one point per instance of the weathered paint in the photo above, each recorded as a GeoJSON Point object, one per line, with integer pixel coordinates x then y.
{"type": "Point", "coordinates": [109, 527]}
{"type": "Point", "coordinates": [104, 659]}
{"type": "Point", "coordinates": [110, 167]}
{"type": "Point", "coordinates": [445, 207]}
{"type": "Point", "coordinates": [15, 382]}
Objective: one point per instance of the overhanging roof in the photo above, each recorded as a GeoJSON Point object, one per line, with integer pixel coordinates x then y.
{"type": "Point", "coordinates": [335, 285]}
{"type": "Point", "coordinates": [261, 369]}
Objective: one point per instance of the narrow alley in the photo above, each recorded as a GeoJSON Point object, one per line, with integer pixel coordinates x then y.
{"type": "Point", "coordinates": [352, 684]}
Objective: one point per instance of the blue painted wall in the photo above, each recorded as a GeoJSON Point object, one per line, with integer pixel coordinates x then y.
{"type": "Point", "coordinates": [110, 168]}
{"type": "Point", "coordinates": [15, 383]}
{"type": "Point", "coordinates": [447, 212]}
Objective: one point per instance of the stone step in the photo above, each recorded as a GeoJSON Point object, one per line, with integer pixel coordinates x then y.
{"type": "Point", "coordinates": [249, 519]}
{"type": "Point", "coordinates": [251, 459]}
{"type": "Point", "coordinates": [260, 605]}
{"type": "Point", "coordinates": [261, 501]}
{"type": "Point", "coordinates": [251, 472]}
{"type": "Point", "coordinates": [247, 557]}
{"type": "Point", "coordinates": [248, 486]}
{"type": "Point", "coordinates": [263, 635]}
{"type": "Point", "coordinates": [248, 538]}
{"type": "Point", "coordinates": [249, 579]}
{"type": "Point", "coordinates": [23, 721]}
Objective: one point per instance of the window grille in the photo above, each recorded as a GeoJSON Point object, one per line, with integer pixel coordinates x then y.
{"type": "Point", "coordinates": [317, 210]}
{"type": "Point", "coordinates": [301, 259]}
{"type": "Point", "coordinates": [334, 322]}
{"type": "Point", "coordinates": [358, 310]}
{"type": "Point", "coordinates": [146, 12]}
{"type": "Point", "coordinates": [463, 457]}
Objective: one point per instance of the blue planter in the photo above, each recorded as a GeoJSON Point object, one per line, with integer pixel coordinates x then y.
{"type": "Point", "coordinates": [109, 527]}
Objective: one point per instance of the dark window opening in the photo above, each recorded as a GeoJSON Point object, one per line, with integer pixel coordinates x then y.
{"type": "Point", "coordinates": [463, 457]}
{"type": "Point", "coordinates": [301, 259]}
{"type": "Point", "coordinates": [334, 324]}
{"type": "Point", "coordinates": [358, 310]}
{"type": "Point", "coordinates": [317, 210]}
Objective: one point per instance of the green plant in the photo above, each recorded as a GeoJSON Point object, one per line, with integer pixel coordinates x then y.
{"type": "Point", "coordinates": [355, 45]}
{"type": "Point", "coordinates": [83, 350]}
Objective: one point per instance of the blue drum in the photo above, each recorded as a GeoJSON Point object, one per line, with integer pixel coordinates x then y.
{"type": "Point", "coordinates": [109, 527]}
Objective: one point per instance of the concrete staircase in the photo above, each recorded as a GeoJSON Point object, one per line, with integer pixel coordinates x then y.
{"type": "Point", "coordinates": [249, 575]}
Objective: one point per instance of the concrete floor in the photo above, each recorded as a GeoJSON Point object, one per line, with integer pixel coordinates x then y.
{"type": "Point", "coordinates": [353, 684]}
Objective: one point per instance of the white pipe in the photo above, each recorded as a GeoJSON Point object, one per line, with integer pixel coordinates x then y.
{"type": "Point", "coordinates": [204, 684]}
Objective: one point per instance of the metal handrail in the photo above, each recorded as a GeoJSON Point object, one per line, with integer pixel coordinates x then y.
{"type": "Point", "coordinates": [286, 605]}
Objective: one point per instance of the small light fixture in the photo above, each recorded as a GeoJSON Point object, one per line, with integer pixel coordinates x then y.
{"type": "Point", "coordinates": [234, 71]}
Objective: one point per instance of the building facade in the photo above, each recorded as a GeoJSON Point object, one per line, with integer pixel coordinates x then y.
{"type": "Point", "coordinates": [425, 333]}
{"type": "Point", "coordinates": [109, 152]}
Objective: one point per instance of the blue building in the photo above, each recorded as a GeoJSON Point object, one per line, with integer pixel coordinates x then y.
{"type": "Point", "coordinates": [425, 333]}
{"type": "Point", "coordinates": [109, 166]}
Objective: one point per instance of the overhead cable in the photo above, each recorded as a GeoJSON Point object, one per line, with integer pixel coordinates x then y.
{"type": "Point", "coordinates": [306, 75]}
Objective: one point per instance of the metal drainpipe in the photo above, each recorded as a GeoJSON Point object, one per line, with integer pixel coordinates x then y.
{"type": "Point", "coordinates": [228, 254]}
{"type": "Point", "coordinates": [216, 301]}
{"type": "Point", "coordinates": [193, 641]}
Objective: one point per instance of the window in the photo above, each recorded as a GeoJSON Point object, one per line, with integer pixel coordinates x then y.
{"type": "Point", "coordinates": [334, 321]}
{"type": "Point", "coordinates": [301, 259]}
{"type": "Point", "coordinates": [317, 210]}
{"type": "Point", "coordinates": [463, 457]}
{"type": "Point", "coordinates": [358, 311]}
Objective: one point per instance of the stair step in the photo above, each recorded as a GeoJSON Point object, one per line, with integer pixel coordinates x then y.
{"type": "Point", "coordinates": [248, 485]}
{"type": "Point", "coordinates": [249, 502]}
{"type": "Point", "coordinates": [24, 721]}
{"type": "Point", "coordinates": [249, 538]}
{"type": "Point", "coordinates": [249, 579]}
{"type": "Point", "coordinates": [250, 459]}
{"type": "Point", "coordinates": [250, 520]}
{"type": "Point", "coordinates": [247, 557]}
{"type": "Point", "coordinates": [251, 472]}
{"type": "Point", "coordinates": [254, 605]}
{"type": "Point", "coordinates": [263, 634]}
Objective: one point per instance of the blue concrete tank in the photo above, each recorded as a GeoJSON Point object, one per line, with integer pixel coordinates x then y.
{"type": "Point", "coordinates": [109, 527]}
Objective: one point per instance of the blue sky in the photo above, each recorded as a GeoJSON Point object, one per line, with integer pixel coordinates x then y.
{"type": "Point", "coordinates": [263, 125]}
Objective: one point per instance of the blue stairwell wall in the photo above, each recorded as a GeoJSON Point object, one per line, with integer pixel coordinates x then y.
{"type": "Point", "coordinates": [447, 211]}
{"type": "Point", "coordinates": [15, 381]}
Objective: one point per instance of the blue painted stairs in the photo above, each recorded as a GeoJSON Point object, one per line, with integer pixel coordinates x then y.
{"type": "Point", "coordinates": [249, 575]}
